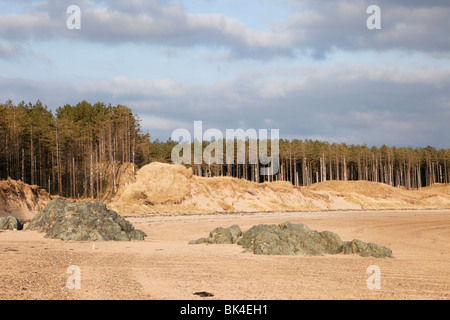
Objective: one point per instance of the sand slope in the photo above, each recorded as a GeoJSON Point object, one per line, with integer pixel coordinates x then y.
{"type": "Point", "coordinates": [372, 195]}
{"type": "Point", "coordinates": [173, 189]}
{"type": "Point", "coordinates": [21, 200]}
{"type": "Point", "coordinates": [165, 188]}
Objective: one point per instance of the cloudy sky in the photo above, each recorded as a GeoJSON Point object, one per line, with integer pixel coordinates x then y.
{"type": "Point", "coordinates": [310, 68]}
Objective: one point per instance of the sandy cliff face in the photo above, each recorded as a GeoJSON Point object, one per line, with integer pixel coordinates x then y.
{"type": "Point", "coordinates": [373, 195]}
{"type": "Point", "coordinates": [173, 189]}
{"type": "Point", "coordinates": [165, 188]}
{"type": "Point", "coordinates": [21, 200]}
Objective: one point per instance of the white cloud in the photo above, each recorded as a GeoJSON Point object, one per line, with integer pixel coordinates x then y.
{"type": "Point", "coordinates": [163, 124]}
{"type": "Point", "coordinates": [322, 28]}
{"type": "Point", "coordinates": [123, 86]}
{"type": "Point", "coordinates": [9, 51]}
{"type": "Point", "coordinates": [339, 101]}
{"type": "Point", "coordinates": [372, 102]}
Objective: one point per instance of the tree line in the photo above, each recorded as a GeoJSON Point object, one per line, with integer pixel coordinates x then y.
{"type": "Point", "coordinates": [304, 162]}
{"type": "Point", "coordinates": [78, 151]}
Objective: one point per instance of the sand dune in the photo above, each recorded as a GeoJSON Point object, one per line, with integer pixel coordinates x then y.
{"type": "Point", "coordinates": [21, 200]}
{"type": "Point", "coordinates": [173, 189]}
{"type": "Point", "coordinates": [165, 188]}
{"type": "Point", "coordinates": [372, 195]}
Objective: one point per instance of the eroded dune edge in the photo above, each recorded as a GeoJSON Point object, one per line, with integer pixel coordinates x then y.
{"type": "Point", "coordinates": [173, 189]}
{"type": "Point", "coordinates": [160, 188]}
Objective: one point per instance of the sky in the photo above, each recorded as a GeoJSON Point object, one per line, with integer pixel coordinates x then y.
{"type": "Point", "coordinates": [310, 68]}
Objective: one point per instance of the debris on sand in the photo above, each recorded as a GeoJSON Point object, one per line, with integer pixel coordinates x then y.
{"type": "Point", "coordinates": [203, 294]}
{"type": "Point", "coordinates": [294, 239]}
{"type": "Point", "coordinates": [83, 221]}
{"type": "Point", "coordinates": [10, 223]}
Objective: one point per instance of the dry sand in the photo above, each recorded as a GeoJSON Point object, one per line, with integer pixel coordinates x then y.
{"type": "Point", "coordinates": [173, 189]}
{"type": "Point", "coordinates": [165, 267]}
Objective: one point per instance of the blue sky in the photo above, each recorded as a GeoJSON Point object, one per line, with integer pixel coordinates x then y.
{"type": "Point", "coordinates": [311, 69]}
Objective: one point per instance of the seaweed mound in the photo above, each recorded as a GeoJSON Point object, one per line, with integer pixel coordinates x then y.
{"type": "Point", "coordinates": [290, 239]}
{"type": "Point", "coordinates": [294, 239]}
{"type": "Point", "coordinates": [366, 249]}
{"type": "Point", "coordinates": [83, 221]}
{"type": "Point", "coordinates": [221, 236]}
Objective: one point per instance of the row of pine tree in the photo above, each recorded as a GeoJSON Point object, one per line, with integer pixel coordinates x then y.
{"type": "Point", "coordinates": [78, 150]}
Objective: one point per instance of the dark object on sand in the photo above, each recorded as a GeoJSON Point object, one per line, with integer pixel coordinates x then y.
{"type": "Point", "coordinates": [203, 294]}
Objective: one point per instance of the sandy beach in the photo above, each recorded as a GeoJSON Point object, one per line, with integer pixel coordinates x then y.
{"type": "Point", "coordinates": [166, 267]}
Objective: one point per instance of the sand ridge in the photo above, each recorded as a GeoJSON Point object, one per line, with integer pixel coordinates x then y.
{"type": "Point", "coordinates": [173, 189]}
{"type": "Point", "coordinates": [160, 188]}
